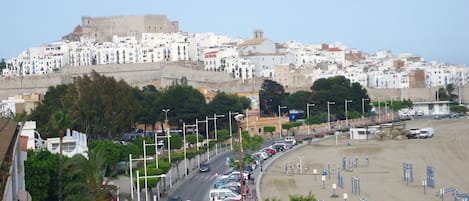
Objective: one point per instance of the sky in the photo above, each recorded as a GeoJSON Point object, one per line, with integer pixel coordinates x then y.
{"type": "Point", "coordinates": [436, 30]}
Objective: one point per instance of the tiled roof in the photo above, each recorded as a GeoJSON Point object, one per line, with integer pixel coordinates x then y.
{"type": "Point", "coordinates": [256, 41]}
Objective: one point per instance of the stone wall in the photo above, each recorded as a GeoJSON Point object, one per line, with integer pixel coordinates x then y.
{"type": "Point", "coordinates": [163, 75]}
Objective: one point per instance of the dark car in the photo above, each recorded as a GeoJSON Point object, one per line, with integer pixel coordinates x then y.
{"type": "Point", "coordinates": [174, 198]}
{"type": "Point", "coordinates": [204, 167]}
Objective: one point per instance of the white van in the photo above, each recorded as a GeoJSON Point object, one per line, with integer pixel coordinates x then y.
{"type": "Point", "coordinates": [426, 133]}
{"type": "Point", "coordinates": [222, 194]}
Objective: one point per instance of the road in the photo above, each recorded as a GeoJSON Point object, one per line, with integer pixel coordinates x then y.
{"type": "Point", "coordinates": [198, 186]}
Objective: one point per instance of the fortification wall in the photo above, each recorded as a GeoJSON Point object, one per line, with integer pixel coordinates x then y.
{"type": "Point", "coordinates": [103, 28]}
{"type": "Point", "coordinates": [162, 75]}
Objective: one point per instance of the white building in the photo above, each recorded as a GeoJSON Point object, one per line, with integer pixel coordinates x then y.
{"type": "Point", "coordinates": [73, 143]}
{"type": "Point", "coordinates": [239, 68]}
{"type": "Point", "coordinates": [388, 79]}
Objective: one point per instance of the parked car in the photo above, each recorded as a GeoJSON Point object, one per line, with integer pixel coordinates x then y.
{"type": "Point", "coordinates": [222, 195]}
{"type": "Point", "coordinates": [225, 181]}
{"type": "Point", "coordinates": [413, 133]}
{"type": "Point", "coordinates": [270, 150]}
{"type": "Point", "coordinates": [204, 167]}
{"type": "Point", "coordinates": [174, 198]}
{"type": "Point", "coordinates": [290, 139]}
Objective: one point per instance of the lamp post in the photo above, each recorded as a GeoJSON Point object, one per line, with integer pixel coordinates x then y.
{"type": "Point", "coordinates": [307, 113]}
{"type": "Point", "coordinates": [206, 131]}
{"type": "Point", "coordinates": [208, 140]}
{"type": "Point", "coordinates": [215, 116]}
{"type": "Point", "coordinates": [363, 105]}
{"type": "Point", "coordinates": [184, 126]}
{"type": "Point", "coordinates": [279, 120]}
{"type": "Point", "coordinates": [197, 139]}
{"type": "Point", "coordinates": [231, 132]}
{"type": "Point", "coordinates": [168, 135]}
{"type": "Point", "coordinates": [329, 113]}
{"type": "Point", "coordinates": [346, 111]}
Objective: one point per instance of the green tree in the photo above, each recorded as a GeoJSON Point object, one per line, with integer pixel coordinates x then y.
{"type": "Point", "coordinates": [93, 186]}
{"type": "Point", "coordinates": [52, 102]}
{"type": "Point", "coordinates": [41, 170]}
{"type": "Point", "coordinates": [110, 149]}
{"type": "Point", "coordinates": [271, 95]}
{"type": "Point", "coordinates": [337, 89]}
{"type": "Point", "coordinates": [441, 94]}
{"type": "Point", "coordinates": [185, 104]}
{"type": "Point", "coordinates": [104, 107]}
{"type": "Point", "coordinates": [192, 139]}
{"type": "Point", "coordinates": [459, 109]}
{"type": "Point", "coordinates": [298, 100]}
{"type": "Point", "coordinates": [269, 129]}
{"type": "Point", "coordinates": [450, 90]}
{"type": "Point", "coordinates": [176, 142]}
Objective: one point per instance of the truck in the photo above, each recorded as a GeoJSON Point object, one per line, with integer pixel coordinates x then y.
{"type": "Point", "coordinates": [426, 133]}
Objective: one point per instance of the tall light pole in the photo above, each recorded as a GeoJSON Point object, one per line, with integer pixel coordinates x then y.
{"type": "Point", "coordinates": [307, 113]}
{"type": "Point", "coordinates": [197, 138]}
{"type": "Point", "coordinates": [363, 105]}
{"type": "Point", "coordinates": [215, 116]}
{"type": "Point", "coordinates": [208, 140]}
{"type": "Point", "coordinates": [168, 135]}
{"type": "Point", "coordinates": [231, 132]}
{"type": "Point", "coordinates": [279, 120]}
{"type": "Point", "coordinates": [184, 126]}
{"type": "Point", "coordinates": [329, 114]}
{"type": "Point", "coordinates": [346, 111]}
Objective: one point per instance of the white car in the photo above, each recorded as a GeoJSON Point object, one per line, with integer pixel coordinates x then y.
{"type": "Point", "coordinates": [235, 174]}
{"type": "Point", "coordinates": [222, 194]}
{"type": "Point", "coordinates": [290, 139]}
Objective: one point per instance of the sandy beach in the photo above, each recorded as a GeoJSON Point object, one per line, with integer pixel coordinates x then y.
{"type": "Point", "coordinates": [382, 179]}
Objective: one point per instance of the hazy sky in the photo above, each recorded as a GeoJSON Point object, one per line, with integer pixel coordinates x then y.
{"type": "Point", "coordinates": [434, 29]}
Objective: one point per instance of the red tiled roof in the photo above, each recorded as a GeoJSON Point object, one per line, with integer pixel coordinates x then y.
{"type": "Point", "coordinates": [334, 49]}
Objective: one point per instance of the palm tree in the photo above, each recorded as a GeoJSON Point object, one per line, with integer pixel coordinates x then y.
{"type": "Point", "coordinates": [91, 184]}
{"type": "Point", "coordinates": [60, 121]}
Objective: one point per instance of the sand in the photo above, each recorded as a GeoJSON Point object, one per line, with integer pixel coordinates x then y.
{"type": "Point", "coordinates": [447, 152]}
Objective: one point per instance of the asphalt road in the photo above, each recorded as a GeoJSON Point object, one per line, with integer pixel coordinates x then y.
{"type": "Point", "coordinates": [198, 186]}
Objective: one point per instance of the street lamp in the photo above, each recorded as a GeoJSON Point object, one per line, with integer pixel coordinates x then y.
{"type": "Point", "coordinates": [208, 140]}
{"type": "Point", "coordinates": [307, 113]}
{"type": "Point", "coordinates": [168, 135]}
{"type": "Point", "coordinates": [363, 105]}
{"type": "Point", "coordinates": [215, 116]}
{"type": "Point", "coordinates": [329, 113]}
{"type": "Point", "coordinates": [346, 111]}
{"type": "Point", "coordinates": [166, 115]}
{"type": "Point", "coordinates": [197, 138]}
{"type": "Point", "coordinates": [279, 120]}
{"type": "Point", "coordinates": [231, 132]}
{"type": "Point", "coordinates": [184, 144]}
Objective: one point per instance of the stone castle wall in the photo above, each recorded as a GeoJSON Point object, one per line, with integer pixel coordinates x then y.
{"type": "Point", "coordinates": [163, 75]}
{"type": "Point", "coordinates": [103, 28]}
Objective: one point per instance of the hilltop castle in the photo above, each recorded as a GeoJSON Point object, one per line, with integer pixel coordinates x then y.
{"type": "Point", "coordinates": [104, 28]}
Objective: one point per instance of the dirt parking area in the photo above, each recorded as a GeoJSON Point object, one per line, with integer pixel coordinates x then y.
{"type": "Point", "coordinates": [383, 177]}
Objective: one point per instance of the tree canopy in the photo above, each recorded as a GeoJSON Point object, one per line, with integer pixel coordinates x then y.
{"type": "Point", "coordinates": [271, 95]}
